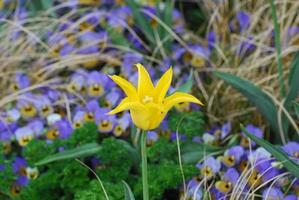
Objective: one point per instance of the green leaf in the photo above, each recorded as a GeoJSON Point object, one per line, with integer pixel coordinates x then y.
{"type": "Point", "coordinates": [128, 192]}
{"type": "Point", "coordinates": [165, 15]}
{"type": "Point", "coordinates": [141, 21]}
{"type": "Point", "coordinates": [297, 109]}
{"type": "Point", "coordinates": [293, 82]}
{"type": "Point", "coordinates": [256, 96]}
{"type": "Point", "coordinates": [116, 37]}
{"type": "Point", "coordinates": [186, 87]}
{"type": "Point", "coordinates": [278, 153]}
{"type": "Point", "coordinates": [82, 151]}
{"type": "Point", "coordinates": [190, 124]}
{"type": "Point", "coordinates": [194, 152]}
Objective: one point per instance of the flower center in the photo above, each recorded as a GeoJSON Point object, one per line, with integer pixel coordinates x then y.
{"type": "Point", "coordinates": [147, 99]}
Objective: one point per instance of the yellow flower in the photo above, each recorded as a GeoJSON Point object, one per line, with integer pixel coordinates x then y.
{"type": "Point", "coordinates": [147, 103]}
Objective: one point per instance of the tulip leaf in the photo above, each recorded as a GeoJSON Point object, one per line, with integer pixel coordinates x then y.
{"type": "Point", "coordinates": [256, 96]}
{"type": "Point", "coordinates": [186, 87]}
{"type": "Point", "coordinates": [293, 81]}
{"type": "Point", "coordinates": [278, 153]}
{"type": "Point", "coordinates": [81, 151]}
{"type": "Point", "coordinates": [140, 19]}
{"type": "Point", "coordinates": [128, 192]}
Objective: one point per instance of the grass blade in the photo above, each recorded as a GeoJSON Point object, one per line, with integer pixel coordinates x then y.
{"type": "Point", "coordinates": [278, 48]}
{"type": "Point", "coordinates": [141, 20]}
{"type": "Point", "coordinates": [128, 192]}
{"type": "Point", "coordinates": [278, 153]}
{"type": "Point", "coordinates": [256, 96]}
{"type": "Point", "coordinates": [186, 87]}
{"type": "Point", "coordinates": [82, 151]}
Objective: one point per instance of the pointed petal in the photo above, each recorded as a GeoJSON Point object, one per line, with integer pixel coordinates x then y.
{"type": "Point", "coordinates": [163, 85]}
{"type": "Point", "coordinates": [179, 97]}
{"type": "Point", "coordinates": [126, 86]}
{"type": "Point", "coordinates": [145, 84]}
{"type": "Point", "coordinates": [126, 104]}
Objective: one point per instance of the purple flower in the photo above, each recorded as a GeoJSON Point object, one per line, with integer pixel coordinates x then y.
{"type": "Point", "coordinates": [252, 130]}
{"type": "Point", "coordinates": [96, 84]}
{"type": "Point", "coordinates": [24, 135]}
{"type": "Point", "coordinates": [122, 124]}
{"type": "Point", "coordinates": [272, 193]}
{"type": "Point", "coordinates": [151, 137]}
{"type": "Point", "coordinates": [233, 156]}
{"type": "Point", "coordinates": [241, 23]}
{"type": "Point", "coordinates": [292, 149]}
{"type": "Point", "coordinates": [105, 122]}
{"type": "Point", "coordinates": [61, 128]}
{"type": "Point", "coordinates": [112, 98]}
{"type": "Point", "coordinates": [21, 81]}
{"type": "Point", "coordinates": [209, 167]}
{"type": "Point", "coordinates": [230, 178]}
{"type": "Point", "coordinates": [19, 166]}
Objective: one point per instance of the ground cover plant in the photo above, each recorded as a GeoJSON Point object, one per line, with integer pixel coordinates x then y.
{"type": "Point", "coordinates": [125, 99]}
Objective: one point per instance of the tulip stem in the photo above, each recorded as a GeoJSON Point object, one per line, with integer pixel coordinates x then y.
{"type": "Point", "coordinates": [144, 166]}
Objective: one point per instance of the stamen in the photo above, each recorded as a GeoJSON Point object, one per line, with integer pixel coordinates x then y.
{"type": "Point", "coordinates": [147, 99]}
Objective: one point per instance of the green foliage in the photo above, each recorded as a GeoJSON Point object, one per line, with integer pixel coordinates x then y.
{"type": "Point", "coordinates": [36, 150]}
{"type": "Point", "coordinates": [7, 177]}
{"type": "Point", "coordinates": [297, 109]}
{"type": "Point", "coordinates": [186, 87]}
{"type": "Point", "coordinates": [166, 175]}
{"type": "Point", "coordinates": [162, 150]}
{"type": "Point", "coordinates": [115, 160]}
{"type": "Point", "coordinates": [140, 20]}
{"type": "Point", "coordinates": [128, 192]}
{"type": "Point", "coordinates": [191, 124]}
{"type": "Point", "coordinates": [82, 151]}
{"type": "Point", "coordinates": [257, 97]}
{"type": "Point", "coordinates": [84, 135]}
{"type": "Point", "coordinates": [94, 192]}
{"type": "Point", "coordinates": [278, 153]}
{"type": "Point", "coordinates": [194, 152]}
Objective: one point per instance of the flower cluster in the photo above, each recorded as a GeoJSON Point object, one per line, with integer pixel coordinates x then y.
{"type": "Point", "coordinates": [242, 170]}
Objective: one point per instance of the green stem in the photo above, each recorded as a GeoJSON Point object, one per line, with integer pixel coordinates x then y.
{"type": "Point", "coordinates": [278, 49]}
{"type": "Point", "coordinates": [144, 166]}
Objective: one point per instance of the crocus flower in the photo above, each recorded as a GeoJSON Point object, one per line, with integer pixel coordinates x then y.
{"type": "Point", "coordinates": [147, 104]}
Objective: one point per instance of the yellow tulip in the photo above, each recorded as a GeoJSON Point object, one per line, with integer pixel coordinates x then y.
{"type": "Point", "coordinates": [147, 103]}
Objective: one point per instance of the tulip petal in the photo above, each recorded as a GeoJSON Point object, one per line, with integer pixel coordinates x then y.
{"type": "Point", "coordinates": [145, 84]}
{"type": "Point", "coordinates": [126, 104]}
{"type": "Point", "coordinates": [126, 86]}
{"type": "Point", "coordinates": [179, 97]}
{"type": "Point", "coordinates": [163, 85]}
